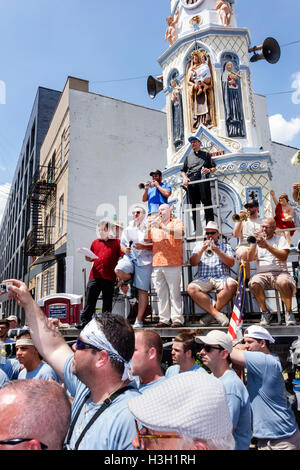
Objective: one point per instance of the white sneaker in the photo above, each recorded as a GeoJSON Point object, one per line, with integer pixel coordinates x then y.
{"type": "Point", "coordinates": [265, 319]}
{"type": "Point", "coordinates": [290, 319]}
{"type": "Point", "coordinates": [138, 324]}
{"type": "Point", "coordinates": [223, 320]}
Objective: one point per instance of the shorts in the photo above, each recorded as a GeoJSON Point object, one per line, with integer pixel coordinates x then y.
{"type": "Point", "coordinates": [142, 274]}
{"type": "Point", "coordinates": [212, 283]}
{"type": "Point", "coordinates": [269, 280]}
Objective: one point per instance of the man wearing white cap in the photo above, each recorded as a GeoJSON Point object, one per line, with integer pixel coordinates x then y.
{"type": "Point", "coordinates": [216, 349]}
{"type": "Point", "coordinates": [214, 260]}
{"type": "Point", "coordinates": [96, 374]}
{"type": "Point", "coordinates": [186, 412]}
{"type": "Point", "coordinates": [274, 423]}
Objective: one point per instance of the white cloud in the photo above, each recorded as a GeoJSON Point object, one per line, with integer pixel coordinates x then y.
{"type": "Point", "coordinates": [283, 131]}
{"type": "Point", "coordinates": [296, 85]}
{"type": "Point", "coordinates": [4, 193]}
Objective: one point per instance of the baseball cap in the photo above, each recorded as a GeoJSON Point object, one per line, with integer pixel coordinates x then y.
{"type": "Point", "coordinates": [212, 225]}
{"type": "Point", "coordinates": [155, 172]}
{"type": "Point", "coordinates": [252, 203]}
{"type": "Point", "coordinates": [194, 137]}
{"type": "Point", "coordinates": [216, 337]}
{"type": "Point", "coordinates": [200, 403]}
{"type": "Point", "coordinates": [11, 318]}
{"type": "Point", "coordinates": [258, 332]}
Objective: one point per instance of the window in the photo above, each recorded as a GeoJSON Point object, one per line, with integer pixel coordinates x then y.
{"type": "Point", "coordinates": [63, 148]}
{"type": "Point", "coordinates": [61, 214]}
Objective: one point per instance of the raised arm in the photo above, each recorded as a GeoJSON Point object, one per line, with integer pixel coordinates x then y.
{"type": "Point", "coordinates": [48, 341]}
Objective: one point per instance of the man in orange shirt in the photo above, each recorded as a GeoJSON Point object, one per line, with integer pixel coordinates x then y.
{"type": "Point", "coordinates": [166, 234]}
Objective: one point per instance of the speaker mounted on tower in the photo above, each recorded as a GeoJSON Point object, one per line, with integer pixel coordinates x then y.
{"type": "Point", "coordinates": [154, 86]}
{"type": "Point", "coordinates": [270, 51]}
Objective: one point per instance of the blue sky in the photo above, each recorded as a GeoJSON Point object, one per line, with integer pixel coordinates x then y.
{"type": "Point", "coordinates": [110, 41]}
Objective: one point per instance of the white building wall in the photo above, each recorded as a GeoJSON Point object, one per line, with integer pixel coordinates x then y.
{"type": "Point", "coordinates": [113, 147]}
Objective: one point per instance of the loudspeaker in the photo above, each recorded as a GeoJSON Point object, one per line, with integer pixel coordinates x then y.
{"type": "Point", "coordinates": [154, 86]}
{"type": "Point", "coordinates": [270, 51]}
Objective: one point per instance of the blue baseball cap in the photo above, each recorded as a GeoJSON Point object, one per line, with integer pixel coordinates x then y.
{"type": "Point", "coordinates": [193, 137]}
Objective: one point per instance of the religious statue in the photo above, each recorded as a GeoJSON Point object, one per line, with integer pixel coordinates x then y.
{"type": "Point", "coordinates": [233, 101]}
{"type": "Point", "coordinates": [171, 33]}
{"type": "Point", "coordinates": [224, 8]}
{"type": "Point", "coordinates": [200, 86]}
{"type": "Point", "coordinates": [177, 114]}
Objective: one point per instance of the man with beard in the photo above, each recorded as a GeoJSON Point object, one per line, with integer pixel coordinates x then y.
{"type": "Point", "coordinates": [96, 375]}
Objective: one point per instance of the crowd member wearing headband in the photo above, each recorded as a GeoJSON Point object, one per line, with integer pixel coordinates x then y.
{"type": "Point", "coordinates": [96, 374]}
{"type": "Point", "coordinates": [33, 366]}
{"type": "Point", "coordinates": [274, 423]}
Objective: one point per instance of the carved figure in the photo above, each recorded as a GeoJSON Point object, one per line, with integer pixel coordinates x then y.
{"type": "Point", "coordinates": [171, 33]}
{"type": "Point", "coordinates": [200, 85]}
{"type": "Point", "coordinates": [177, 114]}
{"type": "Point", "coordinates": [224, 8]}
{"type": "Point", "coordinates": [232, 102]}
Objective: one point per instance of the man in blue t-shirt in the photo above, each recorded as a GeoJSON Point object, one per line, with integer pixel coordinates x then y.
{"type": "Point", "coordinates": [274, 423]}
{"type": "Point", "coordinates": [156, 192]}
{"type": "Point", "coordinates": [216, 347]}
{"type": "Point", "coordinates": [183, 355]}
{"type": "Point", "coordinates": [96, 374]}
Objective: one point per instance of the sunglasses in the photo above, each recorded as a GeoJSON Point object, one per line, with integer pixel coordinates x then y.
{"type": "Point", "coordinates": [80, 345]}
{"type": "Point", "coordinates": [152, 436]}
{"type": "Point", "coordinates": [208, 347]}
{"type": "Point", "coordinates": [14, 442]}
{"type": "Point", "coordinates": [211, 233]}
{"type": "Point", "coordinates": [136, 212]}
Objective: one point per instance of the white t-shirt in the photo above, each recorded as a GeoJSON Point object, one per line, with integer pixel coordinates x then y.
{"type": "Point", "coordinates": [248, 228]}
{"type": "Point", "coordinates": [266, 261]}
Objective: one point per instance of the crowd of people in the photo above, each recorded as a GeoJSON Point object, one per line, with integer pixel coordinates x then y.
{"type": "Point", "coordinates": [110, 390]}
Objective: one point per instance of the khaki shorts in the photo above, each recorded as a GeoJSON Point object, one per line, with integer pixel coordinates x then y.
{"type": "Point", "coordinates": [270, 280]}
{"type": "Point", "coordinates": [211, 283]}
{"type": "Point", "coordinates": [290, 443]}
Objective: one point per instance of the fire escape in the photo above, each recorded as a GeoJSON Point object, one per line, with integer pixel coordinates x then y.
{"type": "Point", "coordinates": [41, 195]}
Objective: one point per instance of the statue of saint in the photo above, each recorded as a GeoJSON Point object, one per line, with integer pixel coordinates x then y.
{"type": "Point", "coordinates": [177, 114]}
{"type": "Point", "coordinates": [233, 102]}
{"type": "Point", "coordinates": [200, 86]}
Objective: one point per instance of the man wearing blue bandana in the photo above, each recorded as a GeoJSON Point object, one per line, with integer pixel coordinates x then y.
{"type": "Point", "coordinates": [96, 375]}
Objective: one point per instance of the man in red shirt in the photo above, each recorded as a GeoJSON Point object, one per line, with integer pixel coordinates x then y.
{"type": "Point", "coordinates": [102, 275]}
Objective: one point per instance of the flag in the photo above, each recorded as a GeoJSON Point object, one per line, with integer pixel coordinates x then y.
{"type": "Point", "coordinates": [236, 320]}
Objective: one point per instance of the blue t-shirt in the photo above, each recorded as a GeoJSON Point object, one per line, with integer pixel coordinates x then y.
{"type": "Point", "coordinates": [115, 427]}
{"type": "Point", "coordinates": [174, 370]}
{"type": "Point", "coordinates": [156, 199]}
{"type": "Point", "coordinates": [3, 378]}
{"type": "Point", "coordinates": [11, 367]}
{"type": "Point", "coordinates": [41, 372]}
{"type": "Point", "coordinates": [240, 409]}
{"type": "Point", "coordinates": [273, 417]}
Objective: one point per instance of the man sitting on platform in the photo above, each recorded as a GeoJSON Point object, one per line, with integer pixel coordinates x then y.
{"type": "Point", "coordinates": [214, 260]}
{"type": "Point", "coordinates": [271, 252]}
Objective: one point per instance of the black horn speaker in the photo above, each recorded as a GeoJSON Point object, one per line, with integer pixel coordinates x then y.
{"type": "Point", "coordinates": [270, 51]}
{"type": "Point", "coordinates": [154, 86]}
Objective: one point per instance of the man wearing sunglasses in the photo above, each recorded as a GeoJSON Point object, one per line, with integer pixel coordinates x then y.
{"type": "Point", "coordinates": [35, 415]}
{"type": "Point", "coordinates": [137, 260]}
{"type": "Point", "coordinates": [214, 260]}
{"type": "Point", "coordinates": [96, 375]}
{"type": "Point", "coordinates": [185, 412]}
{"type": "Point", "coordinates": [216, 349]}
{"type": "Point", "coordinates": [274, 423]}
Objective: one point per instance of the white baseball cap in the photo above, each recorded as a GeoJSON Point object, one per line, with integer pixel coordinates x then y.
{"type": "Point", "coordinates": [216, 337]}
{"type": "Point", "coordinates": [258, 332]}
{"type": "Point", "coordinates": [200, 403]}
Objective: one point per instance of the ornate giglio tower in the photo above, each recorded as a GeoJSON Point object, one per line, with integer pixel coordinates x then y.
{"type": "Point", "coordinates": [207, 84]}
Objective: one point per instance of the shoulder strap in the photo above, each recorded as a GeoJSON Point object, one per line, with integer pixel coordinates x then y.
{"type": "Point", "coordinates": [103, 407]}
